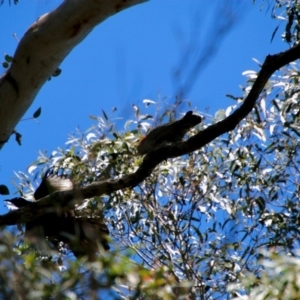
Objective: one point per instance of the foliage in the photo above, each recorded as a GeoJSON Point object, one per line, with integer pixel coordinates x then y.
{"type": "Point", "coordinates": [205, 216]}
{"type": "Point", "coordinates": [31, 276]}
{"type": "Point", "coordinates": [279, 280]}
{"type": "Point", "coordinates": [287, 11]}
{"type": "Point", "coordinates": [200, 224]}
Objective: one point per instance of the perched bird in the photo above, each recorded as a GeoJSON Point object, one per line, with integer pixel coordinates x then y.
{"type": "Point", "coordinates": [168, 133]}
{"type": "Point", "coordinates": [81, 234]}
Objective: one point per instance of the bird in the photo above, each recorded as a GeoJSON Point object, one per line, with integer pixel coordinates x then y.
{"type": "Point", "coordinates": [168, 133]}
{"type": "Point", "coordinates": [82, 235]}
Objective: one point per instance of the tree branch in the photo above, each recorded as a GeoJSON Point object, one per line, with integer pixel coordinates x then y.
{"type": "Point", "coordinates": [60, 200]}
{"type": "Point", "coordinates": [42, 49]}
{"type": "Point", "coordinates": [271, 64]}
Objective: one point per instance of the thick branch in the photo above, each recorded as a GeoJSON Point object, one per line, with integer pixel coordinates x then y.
{"type": "Point", "coordinates": [151, 160]}
{"type": "Point", "coordinates": [42, 49]}
{"type": "Point", "coordinates": [62, 200]}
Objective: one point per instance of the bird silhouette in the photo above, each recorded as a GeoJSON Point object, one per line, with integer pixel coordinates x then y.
{"type": "Point", "coordinates": [82, 235]}
{"type": "Point", "coordinates": [168, 133]}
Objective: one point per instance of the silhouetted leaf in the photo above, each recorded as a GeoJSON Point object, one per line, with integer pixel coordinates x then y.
{"type": "Point", "coordinates": [37, 113]}
{"type": "Point", "coordinates": [4, 190]}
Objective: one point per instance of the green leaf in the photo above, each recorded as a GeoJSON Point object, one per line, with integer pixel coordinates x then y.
{"type": "Point", "coordinates": [261, 203]}
{"type": "Point", "coordinates": [56, 72]}
{"type": "Point", "coordinates": [197, 231]}
{"type": "Point", "coordinates": [37, 113]}
{"type": "Point", "coordinates": [8, 58]}
{"type": "Point", "coordinates": [274, 32]}
{"type": "Point", "coordinates": [105, 115]}
{"type": "Point", "coordinates": [18, 137]}
{"type": "Point", "coordinates": [4, 190]}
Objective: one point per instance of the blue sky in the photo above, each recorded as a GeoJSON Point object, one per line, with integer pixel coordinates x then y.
{"type": "Point", "coordinates": [130, 57]}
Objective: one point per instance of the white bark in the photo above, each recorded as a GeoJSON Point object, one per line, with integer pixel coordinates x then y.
{"type": "Point", "coordinates": [42, 49]}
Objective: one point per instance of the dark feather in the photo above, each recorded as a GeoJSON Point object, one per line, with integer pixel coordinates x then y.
{"type": "Point", "coordinates": [169, 133]}
{"type": "Point", "coordinates": [82, 235]}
